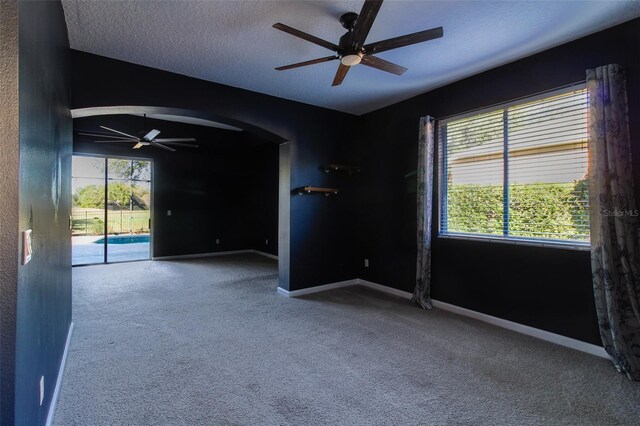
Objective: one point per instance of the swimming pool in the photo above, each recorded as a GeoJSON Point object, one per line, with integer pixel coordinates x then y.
{"type": "Point", "coordinates": [124, 239]}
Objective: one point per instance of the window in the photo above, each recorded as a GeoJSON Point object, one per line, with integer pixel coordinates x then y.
{"type": "Point", "coordinates": [517, 172]}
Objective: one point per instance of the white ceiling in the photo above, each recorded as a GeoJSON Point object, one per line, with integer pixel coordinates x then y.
{"type": "Point", "coordinates": [233, 43]}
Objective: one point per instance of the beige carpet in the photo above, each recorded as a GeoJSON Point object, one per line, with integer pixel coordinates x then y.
{"type": "Point", "coordinates": [210, 342]}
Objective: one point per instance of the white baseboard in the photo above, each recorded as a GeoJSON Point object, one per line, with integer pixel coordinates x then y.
{"type": "Point", "coordinates": [384, 289]}
{"type": "Point", "coordinates": [56, 391]}
{"type": "Point", "coordinates": [269, 255]}
{"type": "Point", "coordinates": [213, 254]}
{"type": "Point", "coordinates": [317, 289]}
{"type": "Point", "coordinates": [199, 255]}
{"type": "Point", "coordinates": [548, 336]}
{"type": "Point", "coordinates": [499, 322]}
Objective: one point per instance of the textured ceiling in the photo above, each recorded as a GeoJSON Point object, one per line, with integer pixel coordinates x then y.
{"type": "Point", "coordinates": [233, 43]}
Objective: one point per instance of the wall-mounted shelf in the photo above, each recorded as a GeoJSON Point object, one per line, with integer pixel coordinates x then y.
{"type": "Point", "coordinates": [327, 168]}
{"type": "Point", "coordinates": [315, 190]}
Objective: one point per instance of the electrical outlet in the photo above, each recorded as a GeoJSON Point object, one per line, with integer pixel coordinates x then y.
{"type": "Point", "coordinates": [366, 263]}
{"type": "Point", "coordinates": [266, 242]}
{"type": "Point", "coordinates": [217, 240]}
{"type": "Point", "coordinates": [41, 389]}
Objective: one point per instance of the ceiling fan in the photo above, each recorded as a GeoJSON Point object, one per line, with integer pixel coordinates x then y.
{"type": "Point", "coordinates": [351, 49]}
{"type": "Point", "coordinates": [150, 139]}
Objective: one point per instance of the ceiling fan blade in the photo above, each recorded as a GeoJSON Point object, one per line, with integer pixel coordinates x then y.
{"type": "Point", "coordinates": [365, 20]}
{"type": "Point", "coordinates": [340, 75]}
{"type": "Point", "coordinates": [381, 64]}
{"type": "Point", "coordinates": [187, 145]}
{"type": "Point", "coordinates": [159, 145]}
{"type": "Point", "coordinates": [138, 145]}
{"type": "Point", "coordinates": [405, 40]}
{"type": "Point", "coordinates": [119, 141]}
{"type": "Point", "coordinates": [305, 36]}
{"type": "Point", "coordinates": [167, 140]}
{"type": "Point", "coordinates": [101, 135]}
{"type": "Point", "coordinates": [151, 135]}
{"type": "Point", "coordinates": [119, 132]}
{"type": "Point", "coordinates": [305, 63]}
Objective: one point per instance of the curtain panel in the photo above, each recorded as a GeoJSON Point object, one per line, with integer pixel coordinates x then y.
{"type": "Point", "coordinates": [421, 293]}
{"type": "Point", "coordinates": [614, 219]}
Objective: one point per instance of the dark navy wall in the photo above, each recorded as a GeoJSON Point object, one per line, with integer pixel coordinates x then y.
{"type": "Point", "coordinates": [374, 215]}
{"type": "Point", "coordinates": [545, 288]}
{"type": "Point", "coordinates": [226, 189]}
{"type": "Point", "coordinates": [44, 284]}
{"type": "Point", "coordinates": [9, 192]}
{"type": "Point", "coordinates": [264, 198]}
{"type": "Point", "coordinates": [321, 228]}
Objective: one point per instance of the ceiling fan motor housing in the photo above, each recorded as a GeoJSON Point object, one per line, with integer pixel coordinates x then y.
{"type": "Point", "coordinates": [348, 20]}
{"type": "Point", "coordinates": [348, 54]}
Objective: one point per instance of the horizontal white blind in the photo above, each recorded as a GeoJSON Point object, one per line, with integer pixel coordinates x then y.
{"type": "Point", "coordinates": [519, 171]}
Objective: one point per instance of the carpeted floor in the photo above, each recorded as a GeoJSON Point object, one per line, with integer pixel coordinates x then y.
{"type": "Point", "coordinates": [210, 342]}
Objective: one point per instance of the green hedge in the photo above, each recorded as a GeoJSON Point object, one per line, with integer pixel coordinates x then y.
{"type": "Point", "coordinates": [542, 210]}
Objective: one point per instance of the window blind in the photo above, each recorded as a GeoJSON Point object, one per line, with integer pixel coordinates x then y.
{"type": "Point", "coordinates": [517, 171]}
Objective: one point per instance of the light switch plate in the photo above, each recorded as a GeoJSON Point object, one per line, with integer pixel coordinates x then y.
{"type": "Point", "coordinates": [26, 246]}
{"type": "Point", "coordinates": [41, 389]}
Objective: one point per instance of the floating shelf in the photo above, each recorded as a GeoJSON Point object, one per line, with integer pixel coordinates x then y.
{"type": "Point", "coordinates": [327, 168]}
{"type": "Point", "coordinates": [315, 190]}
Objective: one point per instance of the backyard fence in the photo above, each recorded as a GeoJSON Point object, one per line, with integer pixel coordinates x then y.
{"type": "Point", "coordinates": [92, 222]}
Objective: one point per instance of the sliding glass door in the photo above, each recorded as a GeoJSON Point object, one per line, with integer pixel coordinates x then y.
{"type": "Point", "coordinates": [128, 209]}
{"type": "Point", "coordinates": [88, 210]}
{"type": "Point", "coordinates": [111, 212]}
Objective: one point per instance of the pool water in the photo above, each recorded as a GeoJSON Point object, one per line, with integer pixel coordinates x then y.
{"type": "Point", "coordinates": [124, 239]}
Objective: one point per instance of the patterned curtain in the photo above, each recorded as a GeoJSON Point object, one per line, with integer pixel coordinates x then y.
{"type": "Point", "coordinates": [421, 294]}
{"type": "Point", "coordinates": [615, 225]}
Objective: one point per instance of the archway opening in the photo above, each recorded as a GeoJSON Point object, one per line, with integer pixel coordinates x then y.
{"type": "Point", "coordinates": [267, 232]}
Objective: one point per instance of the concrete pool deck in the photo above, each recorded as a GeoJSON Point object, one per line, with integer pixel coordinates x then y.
{"type": "Point", "coordinates": [88, 250]}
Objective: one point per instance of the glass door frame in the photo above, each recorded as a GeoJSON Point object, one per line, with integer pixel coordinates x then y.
{"type": "Point", "coordinates": [106, 159]}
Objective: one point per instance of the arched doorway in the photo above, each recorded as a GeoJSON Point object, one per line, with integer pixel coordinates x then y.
{"type": "Point", "coordinates": [205, 118]}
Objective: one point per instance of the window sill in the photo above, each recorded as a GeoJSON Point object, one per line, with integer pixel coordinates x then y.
{"type": "Point", "coordinates": [519, 241]}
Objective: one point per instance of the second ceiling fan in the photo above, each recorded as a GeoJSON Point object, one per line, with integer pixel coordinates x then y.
{"type": "Point", "coordinates": [351, 49]}
{"type": "Point", "coordinates": [149, 139]}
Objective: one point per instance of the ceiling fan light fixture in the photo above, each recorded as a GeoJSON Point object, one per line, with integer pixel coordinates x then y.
{"type": "Point", "coordinates": [351, 59]}
{"type": "Point", "coordinates": [352, 48]}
